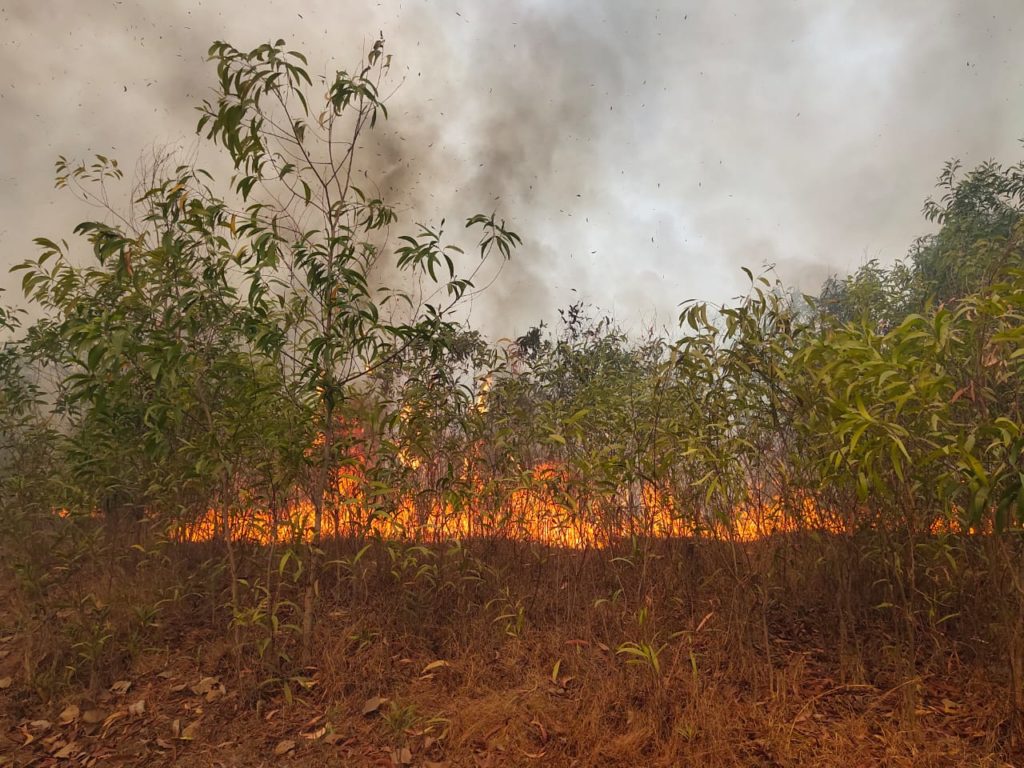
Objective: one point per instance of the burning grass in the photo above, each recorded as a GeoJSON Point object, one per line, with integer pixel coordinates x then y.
{"type": "Point", "coordinates": [543, 506]}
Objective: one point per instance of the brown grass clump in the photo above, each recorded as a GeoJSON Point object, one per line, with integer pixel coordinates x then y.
{"type": "Point", "coordinates": [497, 654]}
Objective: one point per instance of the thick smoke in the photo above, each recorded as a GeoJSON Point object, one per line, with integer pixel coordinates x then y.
{"type": "Point", "coordinates": [644, 152]}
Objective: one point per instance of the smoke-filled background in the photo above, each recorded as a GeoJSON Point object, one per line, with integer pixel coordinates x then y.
{"type": "Point", "coordinates": [644, 152]}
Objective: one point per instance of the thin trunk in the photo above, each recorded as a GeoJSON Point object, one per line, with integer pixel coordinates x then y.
{"type": "Point", "coordinates": [229, 546]}
{"type": "Point", "coordinates": [313, 542]}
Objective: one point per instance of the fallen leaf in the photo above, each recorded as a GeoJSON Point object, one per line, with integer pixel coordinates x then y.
{"type": "Point", "coordinates": [215, 693]}
{"type": "Point", "coordinates": [93, 716]}
{"type": "Point", "coordinates": [315, 734]}
{"type": "Point", "coordinates": [69, 715]}
{"type": "Point", "coordinates": [190, 731]}
{"type": "Point", "coordinates": [435, 665]}
{"type": "Point", "coordinates": [373, 704]}
{"type": "Point", "coordinates": [66, 751]}
{"type": "Point", "coordinates": [39, 725]}
{"type": "Point", "coordinates": [121, 686]}
{"type": "Point", "coordinates": [5, 682]}
{"type": "Point", "coordinates": [53, 743]}
{"type": "Point", "coordinates": [137, 708]}
{"type": "Point", "coordinates": [205, 685]}
{"type": "Point", "coordinates": [112, 718]}
{"type": "Point", "coordinates": [284, 747]}
{"type": "Point", "coordinates": [310, 723]}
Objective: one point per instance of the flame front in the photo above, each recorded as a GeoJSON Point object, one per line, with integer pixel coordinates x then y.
{"type": "Point", "coordinates": [545, 504]}
{"type": "Point", "coordinates": [540, 506]}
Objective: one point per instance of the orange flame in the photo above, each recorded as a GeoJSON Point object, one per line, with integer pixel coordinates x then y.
{"type": "Point", "coordinates": [541, 507]}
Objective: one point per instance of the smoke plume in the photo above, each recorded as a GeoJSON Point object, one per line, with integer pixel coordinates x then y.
{"type": "Point", "coordinates": [644, 152]}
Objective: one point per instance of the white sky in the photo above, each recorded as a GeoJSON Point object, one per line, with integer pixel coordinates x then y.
{"type": "Point", "coordinates": [644, 151]}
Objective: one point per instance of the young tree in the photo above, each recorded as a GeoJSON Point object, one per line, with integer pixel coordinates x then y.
{"type": "Point", "coordinates": [315, 234]}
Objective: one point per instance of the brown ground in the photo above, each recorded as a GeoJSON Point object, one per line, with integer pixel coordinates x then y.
{"type": "Point", "coordinates": [458, 682]}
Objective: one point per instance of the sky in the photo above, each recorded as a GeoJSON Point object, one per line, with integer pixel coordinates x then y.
{"type": "Point", "coordinates": [644, 151]}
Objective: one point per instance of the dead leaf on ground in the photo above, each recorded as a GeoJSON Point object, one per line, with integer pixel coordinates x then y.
{"type": "Point", "coordinates": [137, 708]}
{"type": "Point", "coordinates": [93, 716]}
{"type": "Point", "coordinates": [284, 747]}
{"type": "Point", "coordinates": [112, 718]}
{"type": "Point", "coordinates": [190, 731]}
{"type": "Point", "coordinates": [205, 685]}
{"type": "Point", "coordinates": [121, 686]}
{"type": "Point", "coordinates": [67, 751]}
{"type": "Point", "coordinates": [373, 704]}
{"type": "Point", "coordinates": [401, 756]}
{"type": "Point", "coordinates": [439, 664]}
{"type": "Point", "coordinates": [69, 715]}
{"type": "Point", "coordinates": [5, 682]}
{"type": "Point", "coordinates": [26, 734]}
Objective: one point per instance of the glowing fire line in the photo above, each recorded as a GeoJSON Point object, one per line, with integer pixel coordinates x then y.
{"type": "Point", "coordinates": [538, 512]}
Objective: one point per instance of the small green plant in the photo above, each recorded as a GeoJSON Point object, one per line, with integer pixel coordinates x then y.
{"type": "Point", "coordinates": [613, 599]}
{"type": "Point", "coordinates": [643, 654]}
{"type": "Point", "coordinates": [412, 566]}
{"type": "Point", "coordinates": [363, 638]}
{"type": "Point", "coordinates": [93, 635]}
{"type": "Point", "coordinates": [511, 613]}
{"type": "Point", "coordinates": [400, 720]}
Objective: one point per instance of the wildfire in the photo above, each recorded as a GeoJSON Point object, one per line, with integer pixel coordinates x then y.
{"type": "Point", "coordinates": [543, 504]}
{"type": "Point", "coordinates": [540, 506]}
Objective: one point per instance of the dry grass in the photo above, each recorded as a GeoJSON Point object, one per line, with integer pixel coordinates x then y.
{"type": "Point", "coordinates": [506, 655]}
